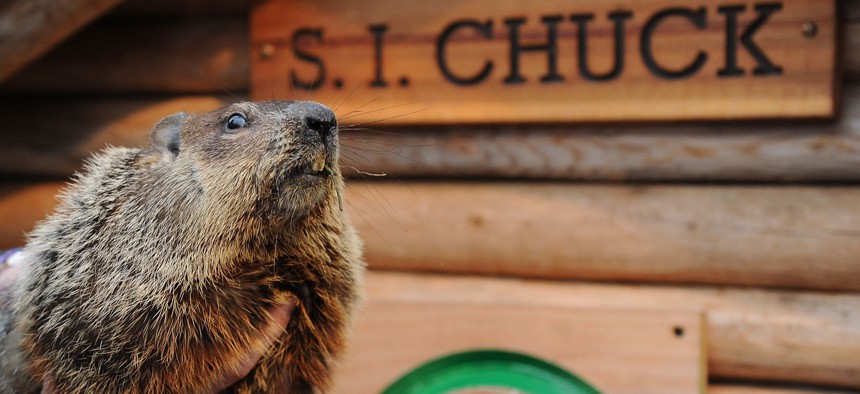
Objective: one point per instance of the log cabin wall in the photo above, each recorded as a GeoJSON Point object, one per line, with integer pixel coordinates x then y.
{"type": "Point", "coordinates": [754, 224]}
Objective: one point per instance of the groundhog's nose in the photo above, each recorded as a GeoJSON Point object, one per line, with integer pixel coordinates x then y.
{"type": "Point", "coordinates": [318, 118]}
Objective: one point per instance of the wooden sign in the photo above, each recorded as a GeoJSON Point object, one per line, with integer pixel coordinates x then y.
{"type": "Point", "coordinates": [492, 61]}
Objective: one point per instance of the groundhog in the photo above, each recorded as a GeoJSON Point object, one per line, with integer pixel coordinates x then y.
{"type": "Point", "coordinates": [158, 262]}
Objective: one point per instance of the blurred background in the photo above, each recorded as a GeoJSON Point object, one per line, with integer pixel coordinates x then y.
{"type": "Point", "coordinates": [680, 256]}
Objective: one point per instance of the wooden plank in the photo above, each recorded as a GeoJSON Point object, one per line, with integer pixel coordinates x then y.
{"type": "Point", "coordinates": [789, 237]}
{"type": "Point", "coordinates": [849, 9]}
{"type": "Point", "coordinates": [172, 8]}
{"type": "Point", "coordinates": [295, 49]}
{"type": "Point", "coordinates": [60, 134]}
{"type": "Point", "coordinates": [192, 56]}
{"type": "Point", "coordinates": [616, 351]}
{"type": "Point", "coordinates": [30, 28]}
{"type": "Point", "coordinates": [756, 335]}
{"type": "Point", "coordinates": [744, 152]}
{"type": "Point", "coordinates": [51, 137]}
{"type": "Point", "coordinates": [753, 334]}
{"type": "Point", "coordinates": [21, 208]}
{"type": "Point", "coordinates": [182, 55]}
{"type": "Point", "coordinates": [786, 237]}
{"type": "Point", "coordinates": [740, 389]}
{"type": "Point", "coordinates": [747, 153]}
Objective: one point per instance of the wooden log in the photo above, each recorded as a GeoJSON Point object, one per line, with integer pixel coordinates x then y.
{"type": "Point", "coordinates": [52, 137]}
{"type": "Point", "coordinates": [785, 237]}
{"type": "Point", "coordinates": [171, 8]}
{"type": "Point", "coordinates": [616, 351]}
{"type": "Point", "coordinates": [770, 336]}
{"type": "Point", "coordinates": [739, 152]}
{"type": "Point", "coordinates": [753, 334]}
{"type": "Point", "coordinates": [59, 135]}
{"type": "Point", "coordinates": [197, 55]}
{"type": "Point", "coordinates": [29, 28]}
{"type": "Point", "coordinates": [849, 11]}
{"type": "Point", "coordinates": [20, 209]}
{"type": "Point", "coordinates": [748, 389]}
{"type": "Point", "coordinates": [788, 237]}
{"type": "Point", "coordinates": [774, 152]}
{"type": "Point", "coordinates": [851, 50]}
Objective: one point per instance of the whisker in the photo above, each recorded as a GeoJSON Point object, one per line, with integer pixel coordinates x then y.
{"type": "Point", "coordinates": [373, 131]}
{"type": "Point", "coordinates": [388, 118]}
{"type": "Point", "coordinates": [292, 87]}
{"type": "Point", "coordinates": [348, 95]}
{"type": "Point", "coordinates": [388, 149]}
{"type": "Point", "coordinates": [358, 109]}
{"type": "Point", "coordinates": [375, 110]}
{"type": "Point", "coordinates": [385, 145]}
{"type": "Point", "coordinates": [360, 172]}
{"type": "Point", "coordinates": [235, 98]}
{"type": "Point", "coordinates": [349, 159]}
{"type": "Point", "coordinates": [364, 217]}
{"type": "Point", "coordinates": [402, 156]}
{"type": "Point", "coordinates": [374, 200]}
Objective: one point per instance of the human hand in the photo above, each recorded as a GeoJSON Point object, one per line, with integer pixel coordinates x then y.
{"type": "Point", "coordinates": [245, 361]}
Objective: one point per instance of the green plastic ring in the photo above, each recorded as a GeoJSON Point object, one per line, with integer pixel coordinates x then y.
{"type": "Point", "coordinates": [496, 369]}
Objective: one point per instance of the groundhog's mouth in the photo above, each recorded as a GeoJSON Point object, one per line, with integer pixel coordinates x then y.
{"type": "Point", "coordinates": [309, 170]}
{"type": "Point", "coordinates": [313, 171]}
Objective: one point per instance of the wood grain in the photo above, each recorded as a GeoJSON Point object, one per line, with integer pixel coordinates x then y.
{"type": "Point", "coordinates": [789, 237]}
{"type": "Point", "coordinates": [146, 56]}
{"type": "Point", "coordinates": [785, 237]}
{"type": "Point", "coordinates": [173, 8]}
{"type": "Point", "coordinates": [753, 334]}
{"type": "Point", "coordinates": [177, 42]}
{"type": "Point", "coordinates": [849, 10]}
{"type": "Point", "coordinates": [756, 335]}
{"type": "Point", "coordinates": [750, 389]}
{"type": "Point", "coordinates": [53, 137]}
{"type": "Point", "coordinates": [21, 208]}
{"type": "Point", "coordinates": [617, 351]}
{"type": "Point", "coordinates": [30, 28]}
{"type": "Point", "coordinates": [805, 89]}
{"type": "Point", "coordinates": [739, 152]}
{"type": "Point", "coordinates": [50, 137]}
{"type": "Point", "coordinates": [850, 53]}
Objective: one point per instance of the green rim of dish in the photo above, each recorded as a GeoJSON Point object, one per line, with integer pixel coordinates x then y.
{"type": "Point", "coordinates": [489, 369]}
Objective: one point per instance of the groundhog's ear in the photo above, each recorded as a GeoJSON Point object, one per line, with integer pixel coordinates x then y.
{"type": "Point", "coordinates": [165, 134]}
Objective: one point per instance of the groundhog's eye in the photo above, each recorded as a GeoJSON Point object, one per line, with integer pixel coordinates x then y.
{"type": "Point", "coordinates": [236, 121]}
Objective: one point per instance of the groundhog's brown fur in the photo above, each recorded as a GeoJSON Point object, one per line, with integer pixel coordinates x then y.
{"type": "Point", "coordinates": [158, 263]}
